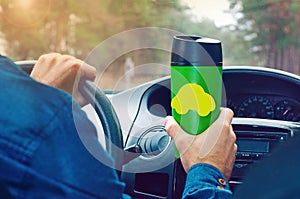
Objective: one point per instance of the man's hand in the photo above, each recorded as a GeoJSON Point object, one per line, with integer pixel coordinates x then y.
{"type": "Point", "coordinates": [215, 146]}
{"type": "Point", "coordinates": [64, 72]}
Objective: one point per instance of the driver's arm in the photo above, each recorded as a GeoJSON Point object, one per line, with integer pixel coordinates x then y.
{"type": "Point", "coordinates": [47, 141]}
{"type": "Point", "coordinates": [63, 72]}
{"type": "Point", "coordinates": [207, 158]}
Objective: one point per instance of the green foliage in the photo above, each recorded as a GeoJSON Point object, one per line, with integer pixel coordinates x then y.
{"type": "Point", "coordinates": [34, 27]}
{"type": "Point", "coordinates": [275, 24]}
{"type": "Point", "coordinates": [295, 6]}
{"type": "Point", "coordinates": [75, 27]}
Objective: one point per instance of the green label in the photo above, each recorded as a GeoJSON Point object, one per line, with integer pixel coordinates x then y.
{"type": "Point", "coordinates": [196, 96]}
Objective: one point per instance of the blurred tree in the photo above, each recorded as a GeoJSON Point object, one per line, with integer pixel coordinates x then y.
{"type": "Point", "coordinates": [34, 27]}
{"type": "Point", "coordinates": [272, 28]}
{"type": "Point", "coordinates": [20, 27]}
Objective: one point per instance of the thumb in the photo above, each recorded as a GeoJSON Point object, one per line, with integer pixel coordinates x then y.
{"type": "Point", "coordinates": [181, 139]}
{"type": "Point", "coordinates": [171, 127]}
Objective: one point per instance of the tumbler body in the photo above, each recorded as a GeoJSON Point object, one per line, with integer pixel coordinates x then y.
{"type": "Point", "coordinates": [196, 82]}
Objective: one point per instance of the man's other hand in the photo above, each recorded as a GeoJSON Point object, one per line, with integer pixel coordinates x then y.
{"type": "Point", "coordinates": [63, 72]}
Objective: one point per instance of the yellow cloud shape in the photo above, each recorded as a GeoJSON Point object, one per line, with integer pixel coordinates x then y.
{"type": "Point", "coordinates": [193, 97]}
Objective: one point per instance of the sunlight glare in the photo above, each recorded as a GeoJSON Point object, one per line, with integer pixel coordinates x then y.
{"type": "Point", "coordinates": [24, 4]}
{"type": "Point", "coordinates": [26, 13]}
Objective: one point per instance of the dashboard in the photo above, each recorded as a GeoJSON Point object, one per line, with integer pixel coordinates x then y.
{"type": "Point", "coordinates": [266, 104]}
{"type": "Point", "coordinates": [255, 95]}
{"type": "Point", "coordinates": [261, 95]}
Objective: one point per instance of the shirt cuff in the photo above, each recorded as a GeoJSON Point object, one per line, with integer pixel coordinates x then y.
{"type": "Point", "coordinates": [206, 180]}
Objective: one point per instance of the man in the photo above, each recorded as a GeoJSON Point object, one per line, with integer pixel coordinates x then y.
{"type": "Point", "coordinates": [41, 154]}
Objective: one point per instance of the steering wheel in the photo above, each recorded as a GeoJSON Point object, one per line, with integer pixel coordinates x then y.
{"type": "Point", "coordinates": [105, 112]}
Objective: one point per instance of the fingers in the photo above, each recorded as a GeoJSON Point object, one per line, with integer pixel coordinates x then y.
{"type": "Point", "coordinates": [46, 60]}
{"type": "Point", "coordinates": [89, 72]}
{"type": "Point", "coordinates": [221, 125]}
{"type": "Point", "coordinates": [64, 72]}
{"type": "Point", "coordinates": [227, 115]}
{"type": "Point", "coordinates": [224, 119]}
{"type": "Point", "coordinates": [60, 64]}
{"type": "Point", "coordinates": [215, 146]}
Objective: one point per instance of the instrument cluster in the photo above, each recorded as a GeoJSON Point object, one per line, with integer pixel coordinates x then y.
{"type": "Point", "coordinates": [265, 106]}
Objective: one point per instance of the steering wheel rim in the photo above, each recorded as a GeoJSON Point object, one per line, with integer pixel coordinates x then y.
{"type": "Point", "coordinates": [105, 112]}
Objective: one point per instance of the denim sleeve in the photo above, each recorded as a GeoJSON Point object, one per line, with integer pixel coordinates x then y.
{"type": "Point", "coordinates": [79, 173]}
{"type": "Point", "coordinates": [206, 181]}
{"type": "Point", "coordinates": [42, 153]}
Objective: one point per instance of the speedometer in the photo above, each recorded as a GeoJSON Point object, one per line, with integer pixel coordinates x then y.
{"type": "Point", "coordinates": [256, 107]}
{"type": "Point", "coordinates": [287, 110]}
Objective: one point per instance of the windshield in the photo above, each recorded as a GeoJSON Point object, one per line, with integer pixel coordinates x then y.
{"type": "Point", "coordinates": [129, 42]}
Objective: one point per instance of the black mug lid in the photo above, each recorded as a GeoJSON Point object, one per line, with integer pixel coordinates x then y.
{"type": "Point", "coordinates": [196, 51]}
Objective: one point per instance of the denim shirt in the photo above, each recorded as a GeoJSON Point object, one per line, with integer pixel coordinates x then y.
{"type": "Point", "coordinates": [206, 181]}
{"type": "Point", "coordinates": [41, 153]}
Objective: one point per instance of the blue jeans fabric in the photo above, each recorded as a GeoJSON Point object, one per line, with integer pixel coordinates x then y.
{"type": "Point", "coordinates": [206, 181]}
{"type": "Point", "coordinates": [42, 155]}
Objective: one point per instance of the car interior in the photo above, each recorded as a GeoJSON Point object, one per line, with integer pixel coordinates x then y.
{"type": "Point", "coordinates": [129, 43]}
{"type": "Point", "coordinates": [266, 105]}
